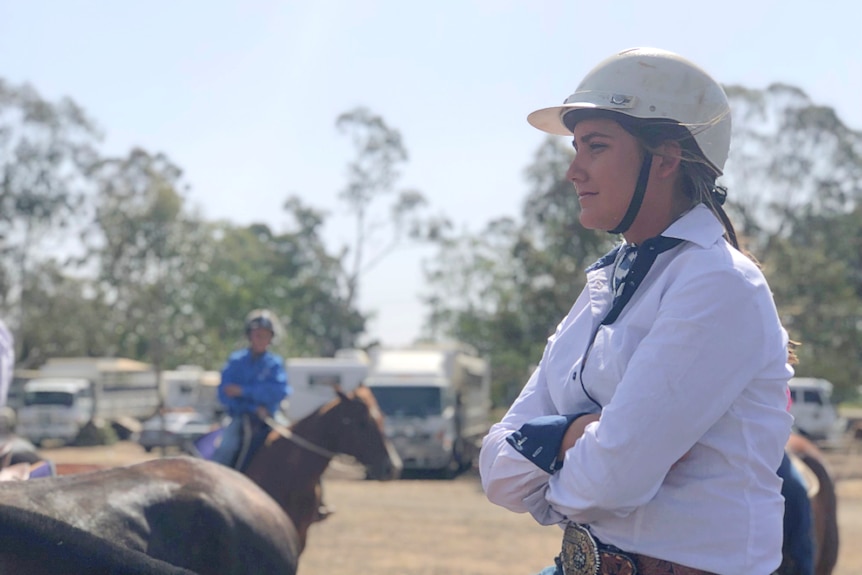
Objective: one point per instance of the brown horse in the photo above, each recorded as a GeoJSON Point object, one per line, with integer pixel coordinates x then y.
{"type": "Point", "coordinates": [183, 512]}
{"type": "Point", "coordinates": [289, 468]}
{"type": "Point", "coordinates": [823, 506]}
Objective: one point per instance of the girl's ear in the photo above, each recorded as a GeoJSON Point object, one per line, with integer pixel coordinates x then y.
{"type": "Point", "coordinates": [666, 159]}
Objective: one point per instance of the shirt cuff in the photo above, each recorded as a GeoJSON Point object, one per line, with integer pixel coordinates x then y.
{"type": "Point", "coordinates": [539, 440]}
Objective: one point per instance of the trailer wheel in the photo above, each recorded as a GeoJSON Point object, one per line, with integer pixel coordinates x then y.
{"type": "Point", "coordinates": [456, 462]}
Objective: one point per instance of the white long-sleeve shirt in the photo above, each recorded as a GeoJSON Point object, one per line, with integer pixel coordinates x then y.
{"type": "Point", "coordinates": [695, 366]}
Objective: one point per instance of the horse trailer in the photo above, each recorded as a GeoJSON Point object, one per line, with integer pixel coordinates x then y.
{"type": "Point", "coordinates": [69, 393]}
{"type": "Point", "coordinates": [437, 403]}
{"type": "Point", "coordinates": [315, 379]}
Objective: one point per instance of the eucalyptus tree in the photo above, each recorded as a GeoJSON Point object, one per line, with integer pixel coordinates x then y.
{"type": "Point", "coordinates": [290, 273]}
{"type": "Point", "coordinates": [64, 319]}
{"type": "Point", "coordinates": [148, 250]}
{"type": "Point", "coordinates": [45, 150]}
{"type": "Point", "coordinates": [789, 156]}
{"type": "Point", "coordinates": [383, 215]}
{"type": "Point", "coordinates": [795, 174]}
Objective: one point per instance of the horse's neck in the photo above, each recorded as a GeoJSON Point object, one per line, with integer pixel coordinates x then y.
{"type": "Point", "coordinates": [290, 473]}
{"type": "Point", "coordinates": [312, 429]}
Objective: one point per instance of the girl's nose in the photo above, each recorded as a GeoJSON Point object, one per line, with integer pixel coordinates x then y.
{"type": "Point", "coordinates": [575, 173]}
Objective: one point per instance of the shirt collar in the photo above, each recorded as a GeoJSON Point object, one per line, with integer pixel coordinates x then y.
{"type": "Point", "coordinates": [699, 225]}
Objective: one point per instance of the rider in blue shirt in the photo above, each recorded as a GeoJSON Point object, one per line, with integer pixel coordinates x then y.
{"type": "Point", "coordinates": [253, 383]}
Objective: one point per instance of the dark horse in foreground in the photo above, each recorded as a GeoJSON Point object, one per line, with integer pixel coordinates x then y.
{"type": "Point", "coordinates": [181, 514]}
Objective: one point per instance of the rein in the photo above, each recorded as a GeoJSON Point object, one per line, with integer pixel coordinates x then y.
{"type": "Point", "coordinates": [299, 440]}
{"type": "Point", "coordinates": [308, 445]}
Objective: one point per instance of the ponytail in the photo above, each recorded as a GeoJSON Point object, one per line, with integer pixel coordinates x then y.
{"type": "Point", "coordinates": [700, 187]}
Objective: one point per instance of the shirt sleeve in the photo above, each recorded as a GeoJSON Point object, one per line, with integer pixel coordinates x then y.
{"type": "Point", "coordinates": [510, 479]}
{"type": "Point", "coordinates": [228, 376]}
{"type": "Point", "coordinates": [539, 440]}
{"type": "Point", "coordinates": [709, 341]}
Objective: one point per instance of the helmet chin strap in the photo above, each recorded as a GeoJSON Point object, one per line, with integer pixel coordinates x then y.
{"type": "Point", "coordinates": [637, 197]}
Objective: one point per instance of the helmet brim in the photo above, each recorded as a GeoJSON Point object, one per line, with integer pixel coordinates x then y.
{"type": "Point", "coordinates": [550, 120]}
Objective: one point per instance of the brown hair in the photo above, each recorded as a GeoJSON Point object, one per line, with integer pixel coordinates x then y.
{"type": "Point", "coordinates": [698, 175]}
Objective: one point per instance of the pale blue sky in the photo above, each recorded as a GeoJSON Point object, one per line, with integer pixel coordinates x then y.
{"type": "Point", "coordinates": [244, 95]}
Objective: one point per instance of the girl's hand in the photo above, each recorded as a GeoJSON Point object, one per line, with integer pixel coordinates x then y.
{"type": "Point", "coordinates": [233, 390]}
{"type": "Point", "coordinates": [574, 432]}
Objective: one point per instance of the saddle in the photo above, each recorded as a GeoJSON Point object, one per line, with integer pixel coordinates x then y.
{"type": "Point", "coordinates": [812, 483]}
{"type": "Point", "coordinates": [22, 471]}
{"type": "Point", "coordinates": [16, 449]}
{"type": "Point", "coordinates": [254, 433]}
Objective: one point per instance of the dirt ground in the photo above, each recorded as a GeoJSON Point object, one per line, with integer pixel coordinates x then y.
{"type": "Point", "coordinates": [436, 527]}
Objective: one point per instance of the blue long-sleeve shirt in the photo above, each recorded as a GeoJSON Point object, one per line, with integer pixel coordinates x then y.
{"type": "Point", "coordinates": [263, 380]}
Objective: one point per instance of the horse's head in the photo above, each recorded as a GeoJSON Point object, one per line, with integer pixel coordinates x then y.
{"type": "Point", "coordinates": [358, 426]}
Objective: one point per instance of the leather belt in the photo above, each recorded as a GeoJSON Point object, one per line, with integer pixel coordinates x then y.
{"type": "Point", "coordinates": [583, 555]}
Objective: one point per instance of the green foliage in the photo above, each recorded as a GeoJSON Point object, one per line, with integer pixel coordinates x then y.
{"type": "Point", "coordinates": [62, 320]}
{"type": "Point", "coordinates": [815, 274]}
{"type": "Point", "coordinates": [795, 173]}
{"type": "Point", "coordinates": [45, 151]}
{"type": "Point", "coordinates": [155, 281]}
{"type": "Point", "coordinates": [289, 273]}
{"type": "Point", "coordinates": [148, 252]}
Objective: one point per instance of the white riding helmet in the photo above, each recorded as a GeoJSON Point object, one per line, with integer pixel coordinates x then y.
{"type": "Point", "coordinates": [651, 83]}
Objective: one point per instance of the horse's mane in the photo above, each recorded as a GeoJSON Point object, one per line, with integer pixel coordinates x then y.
{"type": "Point", "coordinates": [361, 392]}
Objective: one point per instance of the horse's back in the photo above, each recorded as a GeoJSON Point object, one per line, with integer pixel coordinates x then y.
{"type": "Point", "coordinates": [34, 544]}
{"type": "Point", "coordinates": [188, 512]}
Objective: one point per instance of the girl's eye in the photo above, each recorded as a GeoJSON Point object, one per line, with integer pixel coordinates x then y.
{"type": "Point", "coordinates": [596, 147]}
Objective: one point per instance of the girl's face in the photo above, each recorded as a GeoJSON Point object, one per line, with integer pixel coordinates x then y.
{"type": "Point", "coordinates": [260, 339]}
{"type": "Point", "coordinates": [604, 172]}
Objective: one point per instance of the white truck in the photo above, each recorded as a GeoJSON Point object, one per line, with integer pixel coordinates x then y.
{"type": "Point", "coordinates": [437, 403]}
{"type": "Point", "coordinates": [191, 387]}
{"type": "Point", "coordinates": [811, 406]}
{"type": "Point", "coordinates": [68, 393]}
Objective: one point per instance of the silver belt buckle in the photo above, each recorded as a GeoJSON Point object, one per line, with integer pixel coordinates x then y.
{"type": "Point", "coordinates": [580, 554]}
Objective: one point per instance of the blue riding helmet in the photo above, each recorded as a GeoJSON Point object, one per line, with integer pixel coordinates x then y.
{"type": "Point", "coordinates": [259, 322]}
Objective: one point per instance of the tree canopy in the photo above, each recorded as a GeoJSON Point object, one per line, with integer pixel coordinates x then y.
{"type": "Point", "coordinates": [105, 255]}
{"type": "Point", "coordinates": [141, 273]}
